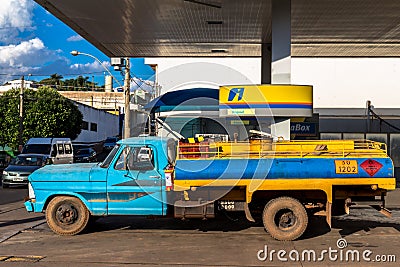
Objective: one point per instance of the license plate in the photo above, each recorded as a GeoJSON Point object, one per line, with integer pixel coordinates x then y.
{"type": "Point", "coordinates": [18, 179]}
{"type": "Point", "coordinates": [346, 166]}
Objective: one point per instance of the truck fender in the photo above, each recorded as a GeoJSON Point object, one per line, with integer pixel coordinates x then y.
{"type": "Point", "coordinates": [51, 196]}
{"type": "Point", "coordinates": [247, 212]}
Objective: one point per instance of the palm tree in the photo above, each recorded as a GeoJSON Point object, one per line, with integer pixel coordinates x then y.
{"type": "Point", "coordinates": [56, 80]}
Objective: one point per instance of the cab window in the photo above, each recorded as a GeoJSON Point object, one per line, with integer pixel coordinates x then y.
{"type": "Point", "coordinates": [135, 158]}
{"type": "Point", "coordinates": [60, 149]}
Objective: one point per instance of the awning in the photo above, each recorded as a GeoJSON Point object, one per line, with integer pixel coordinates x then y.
{"type": "Point", "coordinates": [194, 99]}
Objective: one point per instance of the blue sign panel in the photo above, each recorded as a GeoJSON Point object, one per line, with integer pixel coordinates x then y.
{"type": "Point", "coordinates": [303, 128]}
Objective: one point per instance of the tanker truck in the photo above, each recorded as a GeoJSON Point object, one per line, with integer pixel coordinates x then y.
{"type": "Point", "coordinates": [282, 182]}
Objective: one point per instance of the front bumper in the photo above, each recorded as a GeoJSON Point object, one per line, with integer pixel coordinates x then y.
{"type": "Point", "coordinates": [29, 206]}
{"type": "Point", "coordinates": [10, 181]}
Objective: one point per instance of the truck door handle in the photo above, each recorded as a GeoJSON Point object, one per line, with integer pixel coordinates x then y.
{"type": "Point", "coordinates": [154, 176]}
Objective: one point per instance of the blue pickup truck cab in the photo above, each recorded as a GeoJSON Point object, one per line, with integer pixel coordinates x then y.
{"type": "Point", "coordinates": [129, 181]}
{"type": "Point", "coordinates": [156, 176]}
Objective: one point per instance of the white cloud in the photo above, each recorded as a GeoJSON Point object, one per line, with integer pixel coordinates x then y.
{"type": "Point", "coordinates": [15, 17]}
{"type": "Point", "coordinates": [32, 52]}
{"type": "Point", "coordinates": [90, 67]}
{"type": "Point", "coordinates": [22, 54]}
{"type": "Point", "coordinates": [75, 38]}
{"type": "Point", "coordinates": [26, 57]}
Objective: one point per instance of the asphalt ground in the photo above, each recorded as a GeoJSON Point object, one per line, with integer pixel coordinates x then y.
{"type": "Point", "coordinates": [26, 240]}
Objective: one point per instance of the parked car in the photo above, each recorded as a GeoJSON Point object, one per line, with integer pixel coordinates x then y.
{"type": "Point", "coordinates": [21, 167]}
{"type": "Point", "coordinates": [59, 149]}
{"type": "Point", "coordinates": [85, 155]}
{"type": "Point", "coordinates": [109, 143]}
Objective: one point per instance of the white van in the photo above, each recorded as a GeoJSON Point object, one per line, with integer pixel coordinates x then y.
{"type": "Point", "coordinates": [59, 150]}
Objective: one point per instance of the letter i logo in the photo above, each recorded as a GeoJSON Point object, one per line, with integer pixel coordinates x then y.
{"type": "Point", "coordinates": [236, 92]}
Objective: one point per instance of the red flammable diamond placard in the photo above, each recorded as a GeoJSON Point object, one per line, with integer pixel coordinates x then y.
{"type": "Point", "coordinates": [371, 166]}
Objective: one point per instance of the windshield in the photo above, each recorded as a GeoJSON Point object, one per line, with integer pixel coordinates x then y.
{"type": "Point", "coordinates": [109, 158]}
{"type": "Point", "coordinates": [37, 149]}
{"type": "Point", "coordinates": [27, 161]}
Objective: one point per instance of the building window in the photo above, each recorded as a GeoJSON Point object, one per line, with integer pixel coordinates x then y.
{"type": "Point", "coordinates": [85, 125]}
{"type": "Point", "coordinates": [93, 127]}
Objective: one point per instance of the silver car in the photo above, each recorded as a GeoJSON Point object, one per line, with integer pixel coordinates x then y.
{"type": "Point", "coordinates": [21, 167]}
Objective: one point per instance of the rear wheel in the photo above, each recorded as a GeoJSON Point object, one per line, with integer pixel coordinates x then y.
{"type": "Point", "coordinates": [67, 215]}
{"type": "Point", "coordinates": [285, 218]}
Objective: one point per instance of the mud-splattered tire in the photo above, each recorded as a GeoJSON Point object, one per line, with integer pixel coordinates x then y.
{"type": "Point", "coordinates": [285, 218]}
{"type": "Point", "coordinates": [67, 215]}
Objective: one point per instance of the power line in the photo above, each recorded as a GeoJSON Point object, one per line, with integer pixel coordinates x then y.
{"type": "Point", "coordinates": [63, 86]}
{"type": "Point", "coordinates": [383, 120]}
{"type": "Point", "coordinates": [62, 74]}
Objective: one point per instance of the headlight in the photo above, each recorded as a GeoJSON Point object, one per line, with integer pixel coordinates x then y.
{"type": "Point", "coordinates": [5, 173]}
{"type": "Point", "coordinates": [31, 191]}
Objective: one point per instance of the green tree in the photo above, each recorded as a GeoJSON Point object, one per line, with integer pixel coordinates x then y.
{"type": "Point", "coordinates": [55, 81]}
{"type": "Point", "coordinates": [79, 84]}
{"type": "Point", "coordinates": [46, 114]}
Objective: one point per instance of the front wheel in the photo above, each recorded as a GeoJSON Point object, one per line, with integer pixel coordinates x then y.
{"type": "Point", "coordinates": [285, 218]}
{"type": "Point", "coordinates": [67, 215]}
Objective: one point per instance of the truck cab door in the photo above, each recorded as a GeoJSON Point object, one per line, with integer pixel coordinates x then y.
{"type": "Point", "coordinates": [134, 185]}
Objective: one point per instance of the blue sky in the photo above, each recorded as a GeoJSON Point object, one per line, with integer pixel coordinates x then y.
{"type": "Point", "coordinates": [33, 41]}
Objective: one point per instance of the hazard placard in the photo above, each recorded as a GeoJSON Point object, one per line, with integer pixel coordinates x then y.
{"type": "Point", "coordinates": [371, 166]}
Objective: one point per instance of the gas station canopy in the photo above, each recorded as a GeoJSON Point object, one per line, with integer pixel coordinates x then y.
{"type": "Point", "coordinates": [231, 28]}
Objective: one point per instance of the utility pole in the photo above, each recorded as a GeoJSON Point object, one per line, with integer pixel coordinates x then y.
{"type": "Point", "coordinates": [127, 87]}
{"type": "Point", "coordinates": [21, 114]}
{"type": "Point", "coordinates": [368, 116]}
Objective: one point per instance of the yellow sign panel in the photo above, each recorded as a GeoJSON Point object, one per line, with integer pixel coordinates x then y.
{"type": "Point", "coordinates": [346, 166]}
{"type": "Point", "coordinates": [266, 100]}
{"type": "Point", "coordinates": [266, 94]}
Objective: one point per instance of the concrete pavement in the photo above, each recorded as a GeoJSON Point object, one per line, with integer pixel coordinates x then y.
{"type": "Point", "coordinates": [129, 240]}
{"type": "Point", "coordinates": [14, 218]}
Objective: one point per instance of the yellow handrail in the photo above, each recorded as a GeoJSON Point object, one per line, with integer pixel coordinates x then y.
{"type": "Point", "coordinates": [283, 149]}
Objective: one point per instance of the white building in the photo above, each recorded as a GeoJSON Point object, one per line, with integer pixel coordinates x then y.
{"type": "Point", "coordinates": [97, 125]}
{"type": "Point", "coordinates": [16, 84]}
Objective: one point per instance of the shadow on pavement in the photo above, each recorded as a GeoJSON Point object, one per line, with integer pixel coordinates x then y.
{"type": "Point", "coordinates": [317, 225]}
{"type": "Point", "coordinates": [220, 223]}
{"type": "Point", "coordinates": [350, 226]}
{"type": "Point", "coordinates": [15, 222]}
